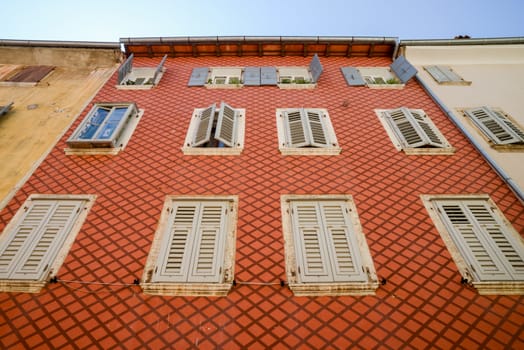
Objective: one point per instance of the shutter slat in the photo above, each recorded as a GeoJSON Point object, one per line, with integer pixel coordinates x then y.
{"type": "Point", "coordinates": [227, 125]}
{"type": "Point", "coordinates": [268, 76]}
{"type": "Point", "coordinates": [198, 76]}
{"type": "Point", "coordinates": [403, 69]}
{"type": "Point", "coordinates": [296, 128]}
{"type": "Point", "coordinates": [252, 76]}
{"type": "Point", "coordinates": [205, 126]}
{"type": "Point", "coordinates": [315, 67]}
{"type": "Point", "coordinates": [353, 76]}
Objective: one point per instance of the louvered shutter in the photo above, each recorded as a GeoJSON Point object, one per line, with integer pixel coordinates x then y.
{"type": "Point", "coordinates": [495, 125]}
{"type": "Point", "coordinates": [442, 74]}
{"type": "Point", "coordinates": [208, 250]}
{"type": "Point", "coordinates": [205, 125]}
{"type": "Point", "coordinates": [198, 76]}
{"type": "Point", "coordinates": [315, 67]}
{"type": "Point", "coordinates": [125, 69]}
{"type": "Point", "coordinates": [317, 128]}
{"type": "Point", "coordinates": [353, 76]}
{"type": "Point", "coordinates": [159, 68]}
{"type": "Point", "coordinates": [310, 244]}
{"type": "Point", "coordinates": [252, 76]}
{"type": "Point", "coordinates": [341, 243]}
{"type": "Point", "coordinates": [227, 125]}
{"type": "Point", "coordinates": [173, 262]}
{"type": "Point", "coordinates": [268, 76]}
{"type": "Point", "coordinates": [36, 241]}
{"type": "Point", "coordinates": [403, 69]}
{"type": "Point", "coordinates": [414, 129]}
{"type": "Point", "coordinates": [296, 128]}
{"type": "Point", "coordinates": [430, 131]}
{"type": "Point", "coordinates": [492, 253]}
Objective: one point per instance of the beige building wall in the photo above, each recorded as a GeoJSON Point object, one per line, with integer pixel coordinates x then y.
{"type": "Point", "coordinates": [41, 113]}
{"type": "Point", "coordinates": [496, 73]}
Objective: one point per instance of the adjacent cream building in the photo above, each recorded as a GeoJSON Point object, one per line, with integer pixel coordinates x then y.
{"type": "Point", "coordinates": [481, 84]}
{"type": "Point", "coordinates": [44, 85]}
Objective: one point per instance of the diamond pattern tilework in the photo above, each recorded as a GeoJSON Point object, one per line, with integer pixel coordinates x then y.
{"type": "Point", "coordinates": [422, 305]}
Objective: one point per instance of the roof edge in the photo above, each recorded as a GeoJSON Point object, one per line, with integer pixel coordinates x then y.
{"type": "Point", "coordinates": [463, 42]}
{"type": "Point", "coordinates": [261, 39]}
{"type": "Point", "coordinates": [58, 44]}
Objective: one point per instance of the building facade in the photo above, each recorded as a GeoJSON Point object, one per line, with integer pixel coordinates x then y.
{"type": "Point", "coordinates": [43, 87]}
{"type": "Point", "coordinates": [478, 80]}
{"type": "Point", "coordinates": [284, 193]}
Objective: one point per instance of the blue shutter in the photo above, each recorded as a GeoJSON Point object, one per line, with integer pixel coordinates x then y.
{"type": "Point", "coordinates": [198, 76]}
{"type": "Point", "coordinates": [125, 69]}
{"type": "Point", "coordinates": [252, 76]}
{"type": "Point", "coordinates": [159, 68]}
{"type": "Point", "coordinates": [6, 108]}
{"type": "Point", "coordinates": [403, 69]}
{"type": "Point", "coordinates": [353, 76]}
{"type": "Point", "coordinates": [268, 76]}
{"type": "Point", "coordinates": [315, 67]}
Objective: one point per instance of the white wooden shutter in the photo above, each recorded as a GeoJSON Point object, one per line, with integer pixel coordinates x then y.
{"type": "Point", "coordinates": [35, 242]}
{"type": "Point", "coordinates": [310, 244]}
{"type": "Point", "coordinates": [205, 125]}
{"type": "Point", "coordinates": [125, 69]}
{"type": "Point", "coordinates": [495, 125]}
{"type": "Point", "coordinates": [173, 262]}
{"type": "Point", "coordinates": [414, 129]}
{"type": "Point", "coordinates": [341, 242]}
{"type": "Point", "coordinates": [208, 250]}
{"type": "Point", "coordinates": [295, 124]}
{"type": "Point", "coordinates": [316, 122]}
{"type": "Point", "coordinates": [442, 74]}
{"type": "Point", "coordinates": [493, 254]}
{"type": "Point", "coordinates": [227, 125]}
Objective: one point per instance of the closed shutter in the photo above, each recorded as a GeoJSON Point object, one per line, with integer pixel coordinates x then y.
{"type": "Point", "coordinates": [227, 125]}
{"type": "Point", "coordinates": [252, 76]}
{"type": "Point", "coordinates": [205, 125]}
{"type": "Point", "coordinates": [35, 242]}
{"type": "Point", "coordinates": [317, 128]}
{"type": "Point", "coordinates": [297, 134]}
{"type": "Point", "coordinates": [268, 76]}
{"type": "Point", "coordinates": [442, 74]}
{"type": "Point", "coordinates": [310, 244]}
{"type": "Point", "coordinates": [315, 67]}
{"type": "Point", "coordinates": [342, 243]}
{"type": "Point", "coordinates": [125, 69]}
{"type": "Point", "coordinates": [496, 126]}
{"type": "Point", "coordinates": [193, 248]}
{"type": "Point", "coordinates": [403, 69]}
{"type": "Point", "coordinates": [208, 251]}
{"type": "Point", "coordinates": [414, 129]}
{"type": "Point", "coordinates": [493, 254]}
{"type": "Point", "coordinates": [353, 76]}
{"type": "Point", "coordinates": [31, 74]}
{"type": "Point", "coordinates": [198, 76]}
{"type": "Point", "coordinates": [159, 68]}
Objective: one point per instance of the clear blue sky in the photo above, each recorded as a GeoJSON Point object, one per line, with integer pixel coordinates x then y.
{"type": "Point", "coordinates": [109, 20]}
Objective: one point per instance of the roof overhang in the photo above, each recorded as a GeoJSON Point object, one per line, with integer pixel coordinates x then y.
{"type": "Point", "coordinates": [60, 44]}
{"type": "Point", "coordinates": [260, 46]}
{"type": "Point", "coordinates": [463, 42]}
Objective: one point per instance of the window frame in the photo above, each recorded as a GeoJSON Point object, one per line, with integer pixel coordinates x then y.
{"type": "Point", "coordinates": [195, 288]}
{"type": "Point", "coordinates": [292, 74]}
{"type": "Point", "coordinates": [462, 261]}
{"type": "Point", "coordinates": [399, 141]}
{"type": "Point", "coordinates": [364, 285]}
{"type": "Point", "coordinates": [239, 126]}
{"type": "Point", "coordinates": [119, 138]}
{"type": "Point", "coordinates": [61, 246]}
{"type": "Point", "coordinates": [384, 73]}
{"type": "Point", "coordinates": [128, 73]}
{"type": "Point", "coordinates": [445, 75]}
{"type": "Point", "coordinates": [283, 131]}
{"type": "Point", "coordinates": [227, 73]}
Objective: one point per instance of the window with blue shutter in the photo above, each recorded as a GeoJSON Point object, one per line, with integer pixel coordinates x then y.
{"type": "Point", "coordinates": [403, 69]}
{"type": "Point", "coordinates": [315, 68]}
{"type": "Point", "coordinates": [103, 126]}
{"type": "Point", "coordinates": [268, 76]}
{"type": "Point", "coordinates": [198, 76]}
{"type": "Point", "coordinates": [352, 76]}
{"type": "Point", "coordinates": [252, 76]}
